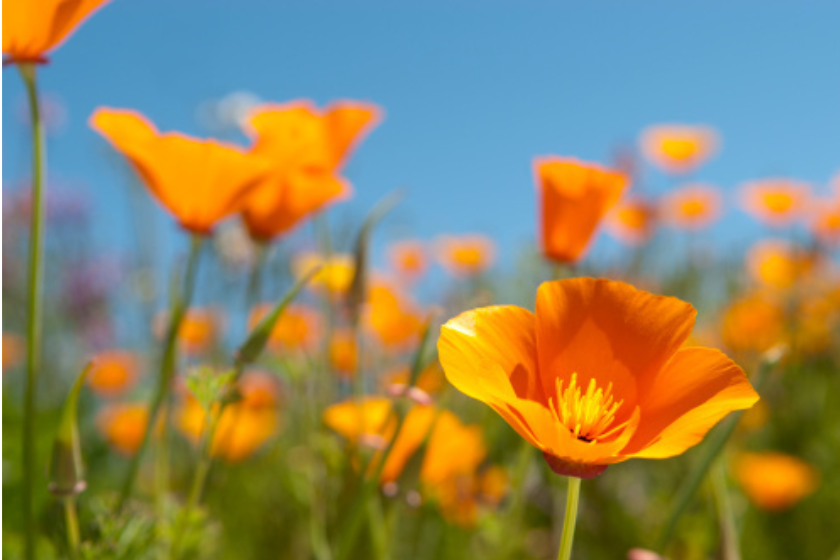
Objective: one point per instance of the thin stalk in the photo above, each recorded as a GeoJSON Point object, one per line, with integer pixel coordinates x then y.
{"type": "Point", "coordinates": [570, 519]}
{"type": "Point", "coordinates": [179, 307]}
{"type": "Point", "coordinates": [255, 281]}
{"type": "Point", "coordinates": [34, 309]}
{"type": "Point", "coordinates": [729, 532]}
{"type": "Point", "coordinates": [199, 478]}
{"type": "Point", "coordinates": [72, 520]}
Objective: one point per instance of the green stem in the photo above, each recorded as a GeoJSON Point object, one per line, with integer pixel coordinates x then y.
{"type": "Point", "coordinates": [729, 533]}
{"type": "Point", "coordinates": [180, 305]}
{"type": "Point", "coordinates": [570, 520]}
{"type": "Point", "coordinates": [199, 478]}
{"type": "Point", "coordinates": [72, 520]}
{"type": "Point", "coordinates": [255, 281]}
{"type": "Point", "coordinates": [33, 319]}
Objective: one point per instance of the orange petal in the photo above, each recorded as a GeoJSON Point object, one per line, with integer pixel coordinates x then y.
{"type": "Point", "coordinates": [347, 122]}
{"type": "Point", "coordinates": [694, 391]}
{"type": "Point", "coordinates": [609, 331]}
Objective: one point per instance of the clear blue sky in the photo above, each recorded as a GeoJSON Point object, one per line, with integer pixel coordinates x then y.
{"type": "Point", "coordinates": [471, 92]}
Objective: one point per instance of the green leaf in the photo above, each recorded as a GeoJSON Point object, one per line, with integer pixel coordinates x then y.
{"type": "Point", "coordinates": [66, 469]}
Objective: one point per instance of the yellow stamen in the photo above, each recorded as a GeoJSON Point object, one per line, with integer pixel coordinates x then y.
{"type": "Point", "coordinates": [588, 416]}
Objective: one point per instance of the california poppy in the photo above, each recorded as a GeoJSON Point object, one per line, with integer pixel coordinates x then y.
{"type": "Point", "coordinates": [408, 259]}
{"type": "Point", "coordinates": [775, 481]}
{"type": "Point", "coordinates": [335, 275]}
{"type": "Point", "coordinates": [391, 316]}
{"type": "Point", "coordinates": [632, 221]}
{"type": "Point", "coordinates": [13, 350]}
{"type": "Point", "coordinates": [678, 148]}
{"type": "Point", "coordinates": [198, 330]}
{"type": "Point", "coordinates": [597, 376]}
{"type": "Point", "coordinates": [308, 148]}
{"type": "Point", "coordinates": [754, 322]}
{"type": "Point", "coordinates": [344, 353]}
{"type": "Point", "coordinates": [574, 197]}
{"type": "Point", "coordinates": [776, 202]}
{"type": "Point", "coordinates": [113, 372]}
{"type": "Point", "coordinates": [200, 182]}
{"type": "Point", "coordinates": [691, 207]}
{"type": "Point", "coordinates": [824, 222]}
{"type": "Point", "coordinates": [778, 264]}
{"type": "Point", "coordinates": [465, 255]}
{"type": "Point", "coordinates": [33, 28]}
{"type": "Point", "coordinates": [298, 328]}
{"type": "Point", "coordinates": [124, 426]}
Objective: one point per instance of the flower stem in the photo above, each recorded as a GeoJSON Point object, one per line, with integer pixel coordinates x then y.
{"type": "Point", "coordinates": [570, 520]}
{"type": "Point", "coordinates": [33, 319]}
{"type": "Point", "coordinates": [729, 532]}
{"type": "Point", "coordinates": [179, 307]}
{"type": "Point", "coordinates": [72, 520]}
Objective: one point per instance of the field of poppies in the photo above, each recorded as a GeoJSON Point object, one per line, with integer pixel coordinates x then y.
{"type": "Point", "coordinates": [288, 397]}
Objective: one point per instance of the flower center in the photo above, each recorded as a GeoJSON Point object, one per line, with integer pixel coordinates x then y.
{"type": "Point", "coordinates": [587, 415]}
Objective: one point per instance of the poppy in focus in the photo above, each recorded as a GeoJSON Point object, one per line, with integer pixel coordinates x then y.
{"type": "Point", "coordinates": [596, 376]}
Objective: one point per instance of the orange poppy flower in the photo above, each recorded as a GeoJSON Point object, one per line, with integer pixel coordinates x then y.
{"type": "Point", "coordinates": [632, 221]}
{"type": "Point", "coordinates": [123, 426]}
{"type": "Point", "coordinates": [298, 328]}
{"type": "Point", "coordinates": [775, 481]}
{"type": "Point", "coordinates": [344, 354]}
{"type": "Point", "coordinates": [778, 264]}
{"type": "Point", "coordinates": [574, 198]}
{"type": "Point", "coordinates": [200, 182]}
{"type": "Point", "coordinates": [775, 202]}
{"type": "Point", "coordinates": [691, 207]}
{"type": "Point", "coordinates": [408, 259]}
{"type": "Point", "coordinates": [113, 373]}
{"type": "Point", "coordinates": [334, 277]}
{"type": "Point", "coordinates": [308, 148]}
{"type": "Point", "coordinates": [393, 319]}
{"type": "Point", "coordinates": [678, 148]}
{"type": "Point", "coordinates": [466, 255]}
{"type": "Point", "coordinates": [33, 28]}
{"type": "Point", "coordinates": [597, 376]}
{"type": "Point", "coordinates": [753, 323]}
{"type": "Point", "coordinates": [12, 350]}
{"type": "Point", "coordinates": [371, 422]}
{"type": "Point", "coordinates": [430, 380]}
{"type": "Point", "coordinates": [240, 432]}
{"type": "Point", "coordinates": [824, 222]}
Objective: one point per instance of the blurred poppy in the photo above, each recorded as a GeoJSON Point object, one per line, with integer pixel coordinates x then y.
{"type": "Point", "coordinates": [632, 221]}
{"type": "Point", "coordinates": [678, 148]}
{"type": "Point", "coordinates": [113, 373]}
{"type": "Point", "coordinates": [334, 277]}
{"type": "Point", "coordinates": [298, 328]}
{"type": "Point", "coordinates": [308, 148]}
{"type": "Point", "coordinates": [393, 319]}
{"type": "Point", "coordinates": [753, 323]}
{"type": "Point", "coordinates": [466, 255]}
{"type": "Point", "coordinates": [778, 264]}
{"type": "Point", "coordinates": [123, 426]}
{"type": "Point", "coordinates": [775, 202]}
{"type": "Point", "coordinates": [344, 355]}
{"type": "Point", "coordinates": [408, 259]}
{"type": "Point", "coordinates": [371, 422]}
{"type": "Point", "coordinates": [33, 28]}
{"type": "Point", "coordinates": [244, 426]}
{"type": "Point", "coordinates": [597, 376]}
{"type": "Point", "coordinates": [775, 481]}
{"type": "Point", "coordinates": [430, 380]}
{"type": "Point", "coordinates": [692, 207]}
{"type": "Point", "coordinates": [13, 349]}
{"type": "Point", "coordinates": [198, 331]}
{"type": "Point", "coordinates": [824, 222]}
{"type": "Point", "coordinates": [200, 182]}
{"type": "Point", "coordinates": [574, 197]}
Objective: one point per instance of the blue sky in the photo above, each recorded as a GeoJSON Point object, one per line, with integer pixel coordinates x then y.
{"type": "Point", "coordinates": [472, 92]}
